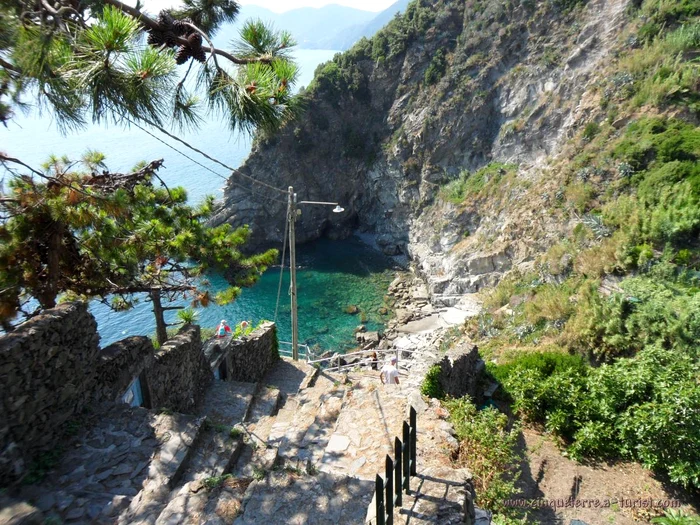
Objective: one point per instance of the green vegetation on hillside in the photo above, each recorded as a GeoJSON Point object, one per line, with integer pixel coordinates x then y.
{"type": "Point", "coordinates": [598, 343]}
{"type": "Point", "coordinates": [644, 398]}
{"type": "Point", "coordinates": [481, 184]}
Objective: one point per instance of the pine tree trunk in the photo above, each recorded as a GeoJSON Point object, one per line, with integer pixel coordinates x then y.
{"type": "Point", "coordinates": [161, 327]}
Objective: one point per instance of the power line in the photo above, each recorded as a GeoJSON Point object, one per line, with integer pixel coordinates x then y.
{"type": "Point", "coordinates": [188, 145]}
{"type": "Point", "coordinates": [284, 251]}
{"type": "Point", "coordinates": [203, 166]}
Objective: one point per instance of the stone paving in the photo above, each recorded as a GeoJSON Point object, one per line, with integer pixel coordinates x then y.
{"type": "Point", "coordinates": [293, 499]}
{"type": "Point", "coordinates": [125, 450]}
{"type": "Point", "coordinates": [372, 415]}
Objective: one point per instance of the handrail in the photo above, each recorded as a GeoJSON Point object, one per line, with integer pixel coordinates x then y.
{"type": "Point", "coordinates": [363, 352]}
{"type": "Point", "coordinates": [306, 347]}
{"type": "Point", "coordinates": [397, 473]}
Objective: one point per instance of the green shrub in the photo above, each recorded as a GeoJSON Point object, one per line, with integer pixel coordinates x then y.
{"type": "Point", "coordinates": [550, 303]}
{"type": "Point", "coordinates": [431, 386]}
{"type": "Point", "coordinates": [479, 184]}
{"type": "Point", "coordinates": [488, 448]}
{"type": "Point", "coordinates": [675, 517]}
{"type": "Point", "coordinates": [591, 130]}
{"type": "Point", "coordinates": [436, 69]}
{"type": "Point", "coordinates": [636, 408]}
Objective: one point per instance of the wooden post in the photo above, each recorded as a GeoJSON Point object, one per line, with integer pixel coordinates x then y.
{"type": "Point", "coordinates": [406, 457]}
{"type": "Point", "coordinates": [389, 499]}
{"type": "Point", "coordinates": [379, 499]}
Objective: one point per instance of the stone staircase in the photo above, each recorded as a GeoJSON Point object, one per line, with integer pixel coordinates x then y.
{"type": "Point", "coordinates": [303, 446]}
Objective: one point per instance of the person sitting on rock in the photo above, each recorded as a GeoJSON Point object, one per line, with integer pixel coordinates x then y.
{"type": "Point", "coordinates": [389, 374]}
{"type": "Point", "coordinates": [223, 330]}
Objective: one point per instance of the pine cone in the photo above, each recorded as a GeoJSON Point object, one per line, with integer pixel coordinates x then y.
{"type": "Point", "coordinates": [199, 55]}
{"type": "Point", "coordinates": [156, 38]}
{"type": "Point", "coordinates": [182, 55]}
{"type": "Point", "coordinates": [171, 39]}
{"type": "Point", "coordinates": [181, 28]}
{"type": "Point", "coordinates": [195, 40]}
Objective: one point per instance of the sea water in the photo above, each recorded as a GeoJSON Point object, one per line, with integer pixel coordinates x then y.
{"type": "Point", "coordinates": [333, 277]}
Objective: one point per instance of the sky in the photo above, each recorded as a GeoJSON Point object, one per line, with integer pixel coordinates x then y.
{"type": "Point", "coordinates": [280, 6]}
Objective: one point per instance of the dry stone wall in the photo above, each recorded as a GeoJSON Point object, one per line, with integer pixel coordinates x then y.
{"type": "Point", "coordinates": [460, 371]}
{"type": "Point", "coordinates": [47, 373]}
{"type": "Point", "coordinates": [251, 357]}
{"type": "Point", "coordinates": [119, 364]}
{"type": "Point", "coordinates": [180, 373]}
{"type": "Point", "coordinates": [52, 370]}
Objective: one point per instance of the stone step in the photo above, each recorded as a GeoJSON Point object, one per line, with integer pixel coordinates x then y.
{"type": "Point", "coordinates": [178, 435]}
{"type": "Point", "coordinates": [371, 417]}
{"type": "Point", "coordinates": [228, 402]}
{"type": "Point", "coordinates": [288, 376]}
{"type": "Point", "coordinates": [225, 406]}
{"type": "Point", "coordinates": [255, 456]}
{"type": "Point", "coordinates": [292, 497]}
{"type": "Point", "coordinates": [265, 403]}
{"type": "Point", "coordinates": [439, 496]}
{"type": "Point", "coordinates": [313, 421]}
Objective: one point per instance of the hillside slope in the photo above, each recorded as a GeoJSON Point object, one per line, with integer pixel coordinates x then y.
{"type": "Point", "coordinates": [545, 156]}
{"type": "Point", "coordinates": [382, 135]}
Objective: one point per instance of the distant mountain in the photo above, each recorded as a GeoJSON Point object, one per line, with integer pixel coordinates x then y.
{"type": "Point", "coordinates": [329, 27]}
{"type": "Point", "coordinates": [313, 28]}
{"type": "Point", "coordinates": [345, 39]}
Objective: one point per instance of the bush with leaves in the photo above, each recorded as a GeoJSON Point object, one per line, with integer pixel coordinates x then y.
{"type": "Point", "coordinates": [487, 446]}
{"type": "Point", "coordinates": [431, 386]}
{"type": "Point", "coordinates": [637, 408]}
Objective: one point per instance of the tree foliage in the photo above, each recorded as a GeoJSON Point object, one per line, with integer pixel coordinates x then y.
{"type": "Point", "coordinates": [106, 61]}
{"type": "Point", "coordinates": [99, 234]}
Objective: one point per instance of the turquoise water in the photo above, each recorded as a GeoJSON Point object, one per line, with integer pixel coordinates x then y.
{"type": "Point", "coordinates": [332, 275]}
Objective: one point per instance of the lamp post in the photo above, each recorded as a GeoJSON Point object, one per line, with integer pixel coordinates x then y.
{"type": "Point", "coordinates": [292, 217]}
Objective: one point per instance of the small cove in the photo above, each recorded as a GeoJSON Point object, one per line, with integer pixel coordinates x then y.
{"type": "Point", "coordinates": [331, 275]}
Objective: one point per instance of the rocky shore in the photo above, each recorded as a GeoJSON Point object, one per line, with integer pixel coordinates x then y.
{"type": "Point", "coordinates": [420, 333]}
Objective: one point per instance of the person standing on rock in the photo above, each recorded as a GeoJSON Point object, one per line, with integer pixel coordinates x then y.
{"type": "Point", "coordinates": [389, 374]}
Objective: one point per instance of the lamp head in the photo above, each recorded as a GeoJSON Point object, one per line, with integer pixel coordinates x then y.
{"type": "Point", "coordinates": [338, 209]}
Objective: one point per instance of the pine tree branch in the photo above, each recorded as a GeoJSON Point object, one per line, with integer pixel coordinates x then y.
{"type": "Point", "coordinates": [10, 67]}
{"type": "Point", "coordinates": [149, 23]}
{"type": "Point", "coordinates": [206, 37]}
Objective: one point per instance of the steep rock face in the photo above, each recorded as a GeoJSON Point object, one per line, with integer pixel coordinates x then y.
{"type": "Point", "coordinates": [389, 123]}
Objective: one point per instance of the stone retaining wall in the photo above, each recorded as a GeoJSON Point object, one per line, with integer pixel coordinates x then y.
{"type": "Point", "coordinates": [180, 373]}
{"type": "Point", "coordinates": [460, 371]}
{"type": "Point", "coordinates": [52, 369]}
{"type": "Point", "coordinates": [47, 374]}
{"type": "Point", "coordinates": [119, 364]}
{"type": "Point", "coordinates": [250, 358]}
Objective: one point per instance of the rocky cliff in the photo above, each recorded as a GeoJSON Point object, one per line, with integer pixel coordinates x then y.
{"type": "Point", "coordinates": [445, 90]}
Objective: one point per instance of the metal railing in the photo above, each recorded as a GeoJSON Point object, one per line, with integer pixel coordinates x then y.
{"type": "Point", "coordinates": [397, 473]}
{"type": "Point", "coordinates": [306, 354]}
{"type": "Point", "coordinates": [332, 363]}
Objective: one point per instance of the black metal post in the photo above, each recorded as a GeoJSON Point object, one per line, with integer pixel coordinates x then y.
{"type": "Point", "coordinates": [406, 457]}
{"type": "Point", "coordinates": [379, 499]}
{"type": "Point", "coordinates": [414, 435]}
{"type": "Point", "coordinates": [389, 499]}
{"type": "Point", "coordinates": [398, 481]}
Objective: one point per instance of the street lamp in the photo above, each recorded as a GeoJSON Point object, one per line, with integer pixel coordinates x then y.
{"type": "Point", "coordinates": [291, 218]}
